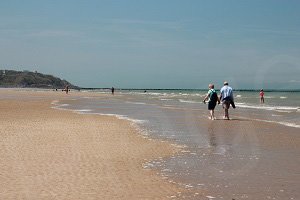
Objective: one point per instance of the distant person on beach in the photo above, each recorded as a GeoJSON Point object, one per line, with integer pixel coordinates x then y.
{"type": "Point", "coordinates": [212, 98]}
{"type": "Point", "coordinates": [262, 94]}
{"type": "Point", "coordinates": [112, 90]}
{"type": "Point", "coordinates": [226, 96]}
{"type": "Point", "coordinates": [67, 89]}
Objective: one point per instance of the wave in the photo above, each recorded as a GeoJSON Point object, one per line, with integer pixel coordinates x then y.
{"type": "Point", "coordinates": [156, 93]}
{"type": "Point", "coordinates": [123, 117]}
{"type": "Point", "coordinates": [87, 97]}
{"type": "Point", "coordinates": [88, 111]}
{"type": "Point", "coordinates": [188, 101]}
{"type": "Point", "coordinates": [63, 105]}
{"type": "Point", "coordinates": [282, 123]}
{"type": "Point", "coordinates": [165, 94]}
{"type": "Point", "coordinates": [138, 103]}
{"type": "Point", "coordinates": [146, 93]}
{"type": "Point", "coordinates": [83, 110]}
{"type": "Point", "coordinates": [269, 97]}
{"type": "Point", "coordinates": [184, 94]}
{"type": "Point", "coordinates": [55, 102]}
{"type": "Point", "coordinates": [268, 107]}
{"type": "Point", "coordinates": [289, 124]}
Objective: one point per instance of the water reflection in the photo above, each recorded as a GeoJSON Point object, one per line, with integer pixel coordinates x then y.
{"type": "Point", "coordinates": [212, 135]}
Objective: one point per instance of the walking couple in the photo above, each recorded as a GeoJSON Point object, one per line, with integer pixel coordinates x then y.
{"type": "Point", "coordinates": [226, 97]}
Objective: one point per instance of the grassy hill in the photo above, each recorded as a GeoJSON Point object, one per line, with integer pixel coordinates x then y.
{"type": "Point", "coordinates": [11, 78]}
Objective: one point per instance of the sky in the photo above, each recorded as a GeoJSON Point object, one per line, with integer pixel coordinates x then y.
{"type": "Point", "coordinates": [155, 43]}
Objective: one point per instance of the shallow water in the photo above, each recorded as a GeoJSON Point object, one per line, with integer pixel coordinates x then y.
{"type": "Point", "coordinates": [228, 166]}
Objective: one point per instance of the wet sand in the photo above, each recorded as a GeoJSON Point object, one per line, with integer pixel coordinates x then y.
{"type": "Point", "coordinates": [247, 160]}
{"type": "Point", "coordinates": [56, 154]}
{"type": "Point", "coordinates": [244, 158]}
{"type": "Point", "coordinates": [47, 153]}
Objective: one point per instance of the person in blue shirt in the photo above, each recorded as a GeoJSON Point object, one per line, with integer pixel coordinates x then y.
{"type": "Point", "coordinates": [212, 98]}
{"type": "Point", "coordinates": [226, 96]}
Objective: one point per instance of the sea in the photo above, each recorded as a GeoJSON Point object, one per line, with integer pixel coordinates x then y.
{"type": "Point", "coordinates": [135, 105]}
{"type": "Point", "coordinates": [179, 116]}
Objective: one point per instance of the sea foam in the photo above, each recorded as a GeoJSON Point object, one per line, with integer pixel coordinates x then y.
{"type": "Point", "coordinates": [138, 103]}
{"type": "Point", "coordinates": [187, 101]}
{"type": "Point", "coordinates": [268, 107]}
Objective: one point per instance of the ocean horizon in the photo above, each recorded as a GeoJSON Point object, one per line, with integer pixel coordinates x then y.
{"type": "Point", "coordinates": [188, 89]}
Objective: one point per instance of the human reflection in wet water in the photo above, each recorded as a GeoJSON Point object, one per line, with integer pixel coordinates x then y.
{"type": "Point", "coordinates": [212, 135]}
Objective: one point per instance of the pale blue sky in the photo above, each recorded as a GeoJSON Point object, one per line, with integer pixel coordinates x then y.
{"type": "Point", "coordinates": [155, 43]}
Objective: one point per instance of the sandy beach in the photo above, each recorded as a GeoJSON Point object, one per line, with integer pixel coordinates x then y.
{"type": "Point", "coordinates": [47, 153]}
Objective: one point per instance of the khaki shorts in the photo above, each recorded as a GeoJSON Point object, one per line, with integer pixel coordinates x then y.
{"type": "Point", "coordinates": [226, 104]}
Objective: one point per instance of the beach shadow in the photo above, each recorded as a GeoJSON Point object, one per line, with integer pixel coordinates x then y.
{"type": "Point", "coordinates": [233, 119]}
{"type": "Point", "coordinates": [237, 119]}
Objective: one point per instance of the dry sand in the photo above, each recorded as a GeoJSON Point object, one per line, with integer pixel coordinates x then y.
{"type": "Point", "coordinates": [47, 153]}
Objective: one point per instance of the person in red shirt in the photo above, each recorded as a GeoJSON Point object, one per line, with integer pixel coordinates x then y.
{"type": "Point", "coordinates": [261, 94]}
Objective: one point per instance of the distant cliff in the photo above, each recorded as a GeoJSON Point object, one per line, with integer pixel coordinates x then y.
{"type": "Point", "coordinates": [11, 78]}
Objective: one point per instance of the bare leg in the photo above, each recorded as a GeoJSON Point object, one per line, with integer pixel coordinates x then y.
{"type": "Point", "coordinates": [226, 114]}
{"type": "Point", "coordinates": [211, 114]}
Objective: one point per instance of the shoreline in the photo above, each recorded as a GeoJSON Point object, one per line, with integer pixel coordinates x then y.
{"type": "Point", "coordinates": [238, 159]}
{"type": "Point", "coordinates": [244, 158]}
{"type": "Point", "coordinates": [60, 154]}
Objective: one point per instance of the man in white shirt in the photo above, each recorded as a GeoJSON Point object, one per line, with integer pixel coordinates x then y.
{"type": "Point", "coordinates": [226, 97]}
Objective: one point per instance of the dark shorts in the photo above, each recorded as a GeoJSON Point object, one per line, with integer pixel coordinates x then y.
{"type": "Point", "coordinates": [211, 105]}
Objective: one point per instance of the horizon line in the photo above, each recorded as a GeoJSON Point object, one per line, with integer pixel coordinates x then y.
{"type": "Point", "coordinates": [189, 89]}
